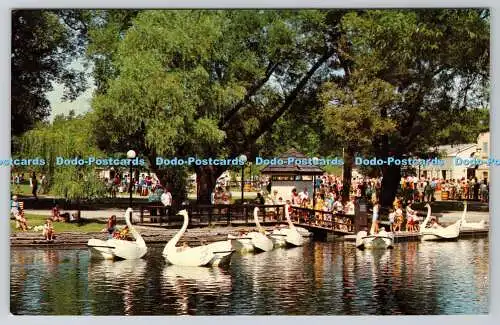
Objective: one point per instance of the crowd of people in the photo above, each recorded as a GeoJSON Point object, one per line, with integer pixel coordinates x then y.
{"type": "Point", "coordinates": [120, 183]}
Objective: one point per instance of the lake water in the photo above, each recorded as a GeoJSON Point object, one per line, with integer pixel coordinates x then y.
{"type": "Point", "coordinates": [319, 279]}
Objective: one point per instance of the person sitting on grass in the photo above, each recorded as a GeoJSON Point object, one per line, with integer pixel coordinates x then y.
{"type": "Point", "coordinates": [56, 213]}
{"type": "Point", "coordinates": [74, 218]}
{"type": "Point", "coordinates": [21, 222]}
{"type": "Point", "coordinates": [17, 212]}
{"type": "Point", "coordinates": [14, 207]}
{"type": "Point", "coordinates": [48, 230]}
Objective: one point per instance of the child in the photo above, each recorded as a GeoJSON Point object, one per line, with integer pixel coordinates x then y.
{"type": "Point", "coordinates": [392, 219]}
{"type": "Point", "coordinates": [412, 218]}
{"type": "Point", "coordinates": [376, 208]}
{"type": "Point", "coordinates": [399, 219]}
{"type": "Point", "coordinates": [48, 230]}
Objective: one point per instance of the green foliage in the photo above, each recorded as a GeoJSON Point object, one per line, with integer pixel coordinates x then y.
{"type": "Point", "coordinates": [353, 113]}
{"type": "Point", "coordinates": [436, 59]}
{"type": "Point", "coordinates": [43, 46]}
{"type": "Point", "coordinates": [205, 82]}
{"type": "Point", "coordinates": [67, 137]}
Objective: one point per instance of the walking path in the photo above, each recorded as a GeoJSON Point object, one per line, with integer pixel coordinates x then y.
{"type": "Point", "coordinates": [446, 217]}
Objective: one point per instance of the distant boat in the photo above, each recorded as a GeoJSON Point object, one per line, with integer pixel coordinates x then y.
{"type": "Point", "coordinates": [381, 240]}
{"type": "Point", "coordinates": [481, 225]}
{"type": "Point", "coordinates": [438, 232]}
{"type": "Point", "coordinates": [241, 242]}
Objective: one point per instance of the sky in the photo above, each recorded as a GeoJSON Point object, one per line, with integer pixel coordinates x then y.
{"type": "Point", "coordinates": [80, 105]}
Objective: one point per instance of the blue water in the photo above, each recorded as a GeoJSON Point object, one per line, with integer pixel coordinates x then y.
{"type": "Point", "coordinates": [319, 279]}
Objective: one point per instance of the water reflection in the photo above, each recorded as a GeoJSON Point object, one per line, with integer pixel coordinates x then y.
{"type": "Point", "coordinates": [210, 286]}
{"type": "Point", "coordinates": [106, 275]}
{"type": "Point", "coordinates": [320, 278]}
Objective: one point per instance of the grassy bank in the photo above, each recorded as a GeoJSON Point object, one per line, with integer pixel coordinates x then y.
{"type": "Point", "coordinates": [37, 220]}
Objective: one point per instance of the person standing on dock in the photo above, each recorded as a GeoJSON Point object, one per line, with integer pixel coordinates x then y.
{"type": "Point", "coordinates": [350, 208]}
{"type": "Point", "coordinates": [399, 219]}
{"type": "Point", "coordinates": [304, 195]}
{"type": "Point", "coordinates": [392, 219]}
{"type": "Point", "coordinates": [166, 200]}
{"type": "Point", "coordinates": [295, 198]}
{"type": "Point", "coordinates": [375, 217]}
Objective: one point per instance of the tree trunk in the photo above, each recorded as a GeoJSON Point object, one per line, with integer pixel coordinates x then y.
{"type": "Point", "coordinates": [207, 178]}
{"type": "Point", "coordinates": [347, 168]}
{"type": "Point", "coordinates": [390, 181]}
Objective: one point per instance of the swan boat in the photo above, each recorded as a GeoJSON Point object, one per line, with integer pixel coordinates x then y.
{"type": "Point", "coordinates": [214, 254]}
{"type": "Point", "coordinates": [382, 240]}
{"type": "Point", "coordinates": [259, 238]}
{"type": "Point", "coordinates": [295, 236]}
{"type": "Point", "coordinates": [438, 232]}
{"type": "Point", "coordinates": [118, 248]}
{"type": "Point", "coordinates": [481, 225]}
{"type": "Point", "coordinates": [254, 240]}
{"type": "Point", "coordinates": [241, 242]}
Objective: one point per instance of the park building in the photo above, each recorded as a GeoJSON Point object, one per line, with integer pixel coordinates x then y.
{"type": "Point", "coordinates": [452, 155]}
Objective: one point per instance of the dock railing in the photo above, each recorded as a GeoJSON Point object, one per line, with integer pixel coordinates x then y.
{"type": "Point", "coordinates": [216, 214]}
{"type": "Point", "coordinates": [334, 221]}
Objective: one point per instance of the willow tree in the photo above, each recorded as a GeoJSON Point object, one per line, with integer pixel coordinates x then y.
{"type": "Point", "coordinates": [208, 83]}
{"type": "Point", "coordinates": [68, 138]}
{"type": "Point", "coordinates": [437, 60]}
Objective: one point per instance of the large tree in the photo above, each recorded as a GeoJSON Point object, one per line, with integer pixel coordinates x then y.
{"type": "Point", "coordinates": [210, 83]}
{"type": "Point", "coordinates": [43, 45]}
{"type": "Point", "coordinates": [437, 60]}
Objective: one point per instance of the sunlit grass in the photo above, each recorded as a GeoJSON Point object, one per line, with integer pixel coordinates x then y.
{"type": "Point", "coordinates": [37, 220]}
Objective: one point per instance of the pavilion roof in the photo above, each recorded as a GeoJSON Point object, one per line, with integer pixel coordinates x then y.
{"type": "Point", "coordinates": [292, 169]}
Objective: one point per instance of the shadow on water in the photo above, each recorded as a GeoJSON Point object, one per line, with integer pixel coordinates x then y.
{"type": "Point", "coordinates": [317, 279]}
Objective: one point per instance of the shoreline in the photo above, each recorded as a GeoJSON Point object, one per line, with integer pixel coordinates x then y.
{"type": "Point", "coordinates": [151, 235]}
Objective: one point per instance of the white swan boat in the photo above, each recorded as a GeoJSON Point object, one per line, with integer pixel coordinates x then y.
{"type": "Point", "coordinates": [381, 240]}
{"type": "Point", "coordinates": [117, 248]}
{"type": "Point", "coordinates": [242, 243]}
{"type": "Point", "coordinates": [295, 236]}
{"type": "Point", "coordinates": [259, 238]}
{"type": "Point", "coordinates": [438, 232]}
{"type": "Point", "coordinates": [481, 225]}
{"type": "Point", "coordinates": [254, 240]}
{"type": "Point", "coordinates": [214, 254]}
{"type": "Point", "coordinates": [278, 237]}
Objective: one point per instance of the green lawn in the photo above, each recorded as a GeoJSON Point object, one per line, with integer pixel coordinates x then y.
{"type": "Point", "coordinates": [36, 220]}
{"type": "Point", "coordinates": [24, 189]}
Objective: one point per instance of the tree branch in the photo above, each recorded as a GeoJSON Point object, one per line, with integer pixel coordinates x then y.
{"type": "Point", "coordinates": [253, 89]}
{"type": "Point", "coordinates": [264, 126]}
